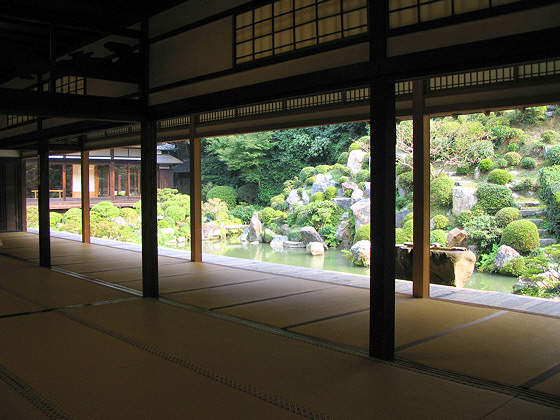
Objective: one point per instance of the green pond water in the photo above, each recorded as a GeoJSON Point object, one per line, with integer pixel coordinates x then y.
{"type": "Point", "coordinates": [333, 260]}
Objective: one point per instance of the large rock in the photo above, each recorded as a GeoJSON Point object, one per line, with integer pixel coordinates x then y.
{"type": "Point", "coordinates": [210, 230]}
{"type": "Point", "coordinates": [309, 234]}
{"type": "Point", "coordinates": [450, 268]}
{"type": "Point", "coordinates": [304, 198]}
{"type": "Point", "coordinates": [355, 160]}
{"type": "Point", "coordinates": [343, 202]}
{"type": "Point", "coordinates": [293, 244]}
{"type": "Point", "coordinates": [367, 188]}
{"type": "Point", "coordinates": [361, 210]}
{"type": "Point", "coordinates": [268, 235]}
{"type": "Point", "coordinates": [344, 235]}
{"type": "Point", "coordinates": [361, 253]}
{"type": "Point", "coordinates": [349, 185]}
{"type": "Point", "coordinates": [463, 199]}
{"type": "Point", "coordinates": [315, 248]}
{"type": "Point", "coordinates": [400, 215]}
{"type": "Point", "coordinates": [255, 228]}
{"type": "Point", "coordinates": [322, 182]}
{"type": "Point", "coordinates": [504, 255]}
{"type": "Point", "coordinates": [293, 198]}
{"type": "Point", "coordinates": [357, 195]}
{"type": "Point", "coordinates": [456, 237]}
{"type": "Point", "coordinates": [278, 241]}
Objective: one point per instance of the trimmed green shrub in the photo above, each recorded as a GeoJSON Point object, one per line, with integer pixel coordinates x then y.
{"type": "Point", "coordinates": [550, 137]}
{"type": "Point", "coordinates": [464, 217]}
{"type": "Point", "coordinates": [163, 224]}
{"type": "Point", "coordinates": [513, 147]}
{"type": "Point", "coordinates": [408, 217]}
{"type": "Point", "coordinates": [480, 150]}
{"type": "Point", "coordinates": [343, 179]}
{"type": "Point", "coordinates": [106, 209]}
{"type": "Point", "coordinates": [244, 213]}
{"type": "Point", "coordinates": [514, 267]}
{"type": "Point", "coordinates": [282, 205]}
{"type": "Point", "coordinates": [343, 158]}
{"type": "Point", "coordinates": [440, 221]}
{"type": "Point", "coordinates": [330, 192]}
{"type": "Point", "coordinates": [268, 215]}
{"type": "Point", "coordinates": [493, 197]}
{"type": "Point", "coordinates": [485, 164]}
{"type": "Point", "coordinates": [553, 154]}
{"type": "Point", "coordinates": [318, 196]}
{"type": "Point", "coordinates": [277, 199]}
{"type": "Point", "coordinates": [348, 192]}
{"type": "Point", "coordinates": [550, 195]}
{"type": "Point", "coordinates": [441, 191]}
{"type": "Point", "coordinates": [363, 233]}
{"type": "Point", "coordinates": [33, 216]}
{"type": "Point", "coordinates": [363, 175]}
{"type": "Point", "coordinates": [438, 236]}
{"type": "Point", "coordinates": [521, 235]}
{"type": "Point", "coordinates": [71, 215]}
{"type": "Point", "coordinates": [528, 162]}
{"type": "Point", "coordinates": [354, 146]}
{"type": "Point", "coordinates": [55, 218]}
{"type": "Point", "coordinates": [227, 194]}
{"type": "Point", "coordinates": [528, 183]}
{"type": "Point", "coordinates": [507, 215]}
{"type": "Point", "coordinates": [307, 172]}
{"type": "Point", "coordinates": [501, 163]}
{"type": "Point", "coordinates": [513, 158]}
{"type": "Point", "coordinates": [463, 169]}
{"type": "Point", "coordinates": [499, 176]}
{"type": "Point", "coordinates": [311, 180]}
{"type": "Point", "coordinates": [164, 194]}
{"type": "Point", "coordinates": [247, 193]}
{"type": "Point", "coordinates": [175, 213]}
{"type": "Point", "coordinates": [130, 215]}
{"type": "Point", "coordinates": [323, 169]}
{"type": "Point", "coordinates": [402, 236]}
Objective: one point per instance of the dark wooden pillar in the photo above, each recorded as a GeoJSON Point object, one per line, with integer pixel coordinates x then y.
{"type": "Point", "coordinates": [44, 211]}
{"type": "Point", "coordinates": [421, 217]}
{"type": "Point", "coordinates": [86, 226]}
{"type": "Point", "coordinates": [149, 210]}
{"type": "Point", "coordinates": [196, 193]}
{"type": "Point", "coordinates": [64, 180]}
{"type": "Point", "coordinates": [383, 143]}
{"type": "Point", "coordinates": [111, 176]}
{"type": "Point", "coordinates": [23, 208]}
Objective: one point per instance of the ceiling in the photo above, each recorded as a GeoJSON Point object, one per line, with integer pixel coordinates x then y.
{"type": "Point", "coordinates": [25, 27]}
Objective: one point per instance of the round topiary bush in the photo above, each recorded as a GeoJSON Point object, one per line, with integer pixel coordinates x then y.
{"type": "Point", "coordinates": [521, 235]}
{"type": "Point", "coordinates": [501, 163]}
{"type": "Point", "coordinates": [363, 175]}
{"type": "Point", "coordinates": [175, 213]}
{"type": "Point", "coordinates": [550, 137]}
{"type": "Point", "coordinates": [528, 162]}
{"type": "Point", "coordinates": [513, 158]}
{"type": "Point", "coordinates": [55, 218]}
{"type": "Point", "coordinates": [343, 158]}
{"type": "Point", "coordinates": [440, 221]}
{"type": "Point", "coordinates": [363, 233]}
{"type": "Point", "coordinates": [71, 215]}
{"type": "Point", "coordinates": [266, 215]}
{"type": "Point", "coordinates": [441, 191]}
{"type": "Point", "coordinates": [499, 176]}
{"type": "Point", "coordinates": [485, 164]}
{"type": "Point", "coordinates": [553, 154]}
{"type": "Point", "coordinates": [494, 197]}
{"type": "Point", "coordinates": [227, 194]}
{"type": "Point", "coordinates": [307, 172]}
{"type": "Point", "coordinates": [354, 146]}
{"type": "Point", "coordinates": [130, 215]}
{"type": "Point", "coordinates": [507, 215]}
{"type": "Point", "coordinates": [438, 236]}
{"type": "Point", "coordinates": [343, 179]}
{"type": "Point", "coordinates": [318, 196]}
{"type": "Point", "coordinates": [311, 180]}
{"type": "Point", "coordinates": [402, 236]}
{"type": "Point", "coordinates": [106, 209]}
{"type": "Point", "coordinates": [330, 192]}
{"type": "Point", "coordinates": [323, 169]}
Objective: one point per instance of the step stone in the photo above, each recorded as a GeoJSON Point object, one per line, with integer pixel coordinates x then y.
{"type": "Point", "coordinates": [546, 242]}
{"type": "Point", "coordinates": [538, 222]}
{"type": "Point", "coordinates": [531, 212]}
{"type": "Point", "coordinates": [527, 203]}
{"type": "Point", "coordinates": [543, 232]}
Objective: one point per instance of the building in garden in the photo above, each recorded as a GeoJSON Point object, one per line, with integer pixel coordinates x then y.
{"type": "Point", "coordinates": [77, 78]}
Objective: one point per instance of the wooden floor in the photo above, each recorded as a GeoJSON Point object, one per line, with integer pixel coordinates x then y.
{"type": "Point", "coordinates": [247, 342]}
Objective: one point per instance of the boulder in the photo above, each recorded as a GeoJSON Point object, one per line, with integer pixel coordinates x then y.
{"type": "Point", "coordinates": [305, 198]}
{"type": "Point", "coordinates": [343, 202]}
{"type": "Point", "coordinates": [292, 244]}
{"type": "Point", "coordinates": [344, 235]}
{"type": "Point", "coordinates": [119, 221]}
{"type": "Point", "coordinates": [284, 230]}
{"type": "Point", "coordinates": [400, 215]}
{"type": "Point", "coordinates": [456, 237]}
{"type": "Point", "coordinates": [210, 230]}
{"type": "Point", "coordinates": [361, 253]}
{"type": "Point", "coordinates": [309, 234]}
{"type": "Point", "coordinates": [255, 227]}
{"type": "Point", "coordinates": [349, 185]}
{"type": "Point", "coordinates": [315, 248]}
{"type": "Point", "coordinates": [503, 255]}
{"type": "Point", "coordinates": [167, 231]}
{"type": "Point", "coordinates": [464, 198]}
{"type": "Point", "coordinates": [355, 160]}
{"type": "Point", "coordinates": [447, 267]}
{"type": "Point", "coordinates": [278, 241]}
{"type": "Point", "coordinates": [268, 235]}
{"type": "Point", "coordinates": [357, 195]}
{"type": "Point", "coordinates": [361, 210]}
{"type": "Point", "coordinates": [322, 182]}
{"type": "Point", "coordinates": [367, 188]}
{"type": "Point", "coordinates": [293, 198]}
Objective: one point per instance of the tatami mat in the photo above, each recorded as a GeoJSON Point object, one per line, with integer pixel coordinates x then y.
{"type": "Point", "coordinates": [12, 304]}
{"type": "Point", "coordinates": [550, 385]}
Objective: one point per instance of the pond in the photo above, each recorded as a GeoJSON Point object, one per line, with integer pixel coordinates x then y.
{"type": "Point", "coordinates": [333, 260]}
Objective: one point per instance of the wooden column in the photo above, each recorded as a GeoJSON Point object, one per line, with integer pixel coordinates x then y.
{"type": "Point", "coordinates": [64, 181]}
{"type": "Point", "coordinates": [23, 209]}
{"type": "Point", "coordinates": [421, 217]}
{"type": "Point", "coordinates": [196, 193]}
{"type": "Point", "coordinates": [111, 177]}
{"type": "Point", "coordinates": [86, 226]}
{"type": "Point", "coordinates": [149, 210]}
{"type": "Point", "coordinates": [44, 211]}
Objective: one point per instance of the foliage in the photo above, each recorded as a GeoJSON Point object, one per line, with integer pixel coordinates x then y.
{"type": "Point", "coordinates": [328, 233]}
{"type": "Point", "coordinates": [402, 235]}
{"type": "Point", "coordinates": [550, 137]}
{"type": "Point", "coordinates": [464, 217]}
{"type": "Point", "coordinates": [343, 158]}
{"type": "Point", "coordinates": [164, 194]}
{"type": "Point", "coordinates": [106, 209]}
{"type": "Point", "coordinates": [213, 207]}
{"type": "Point", "coordinates": [440, 221]}
{"type": "Point", "coordinates": [363, 175]}
{"type": "Point", "coordinates": [527, 116]}
{"type": "Point", "coordinates": [323, 169]}
{"type": "Point", "coordinates": [486, 261]}
{"type": "Point", "coordinates": [311, 180]}
{"type": "Point", "coordinates": [438, 236]}
{"type": "Point", "coordinates": [406, 180]}
{"type": "Point", "coordinates": [129, 215]}
{"type": "Point", "coordinates": [441, 190]}
{"type": "Point", "coordinates": [553, 154]}
{"type": "Point", "coordinates": [513, 147]}
{"type": "Point", "coordinates": [499, 176]}
{"type": "Point", "coordinates": [550, 195]}
{"type": "Point", "coordinates": [244, 213]}
{"type": "Point", "coordinates": [268, 215]}
{"type": "Point", "coordinates": [513, 158]}
{"type": "Point", "coordinates": [521, 235]}
{"type": "Point", "coordinates": [247, 192]}
{"type": "Point", "coordinates": [224, 193]}
{"type": "Point", "coordinates": [363, 233]}
{"type": "Point", "coordinates": [493, 197]}
{"type": "Point", "coordinates": [330, 192]}
{"type": "Point", "coordinates": [514, 267]}
{"type": "Point", "coordinates": [307, 172]}
{"type": "Point", "coordinates": [528, 183]}
{"type": "Point", "coordinates": [485, 164]}
{"type": "Point", "coordinates": [318, 196]}
{"type": "Point", "coordinates": [463, 169]}
{"type": "Point", "coordinates": [55, 218]}
{"type": "Point", "coordinates": [528, 162]}
{"type": "Point", "coordinates": [507, 215]}
{"type": "Point", "coordinates": [478, 150]}
{"type": "Point", "coordinates": [483, 230]}
{"type": "Point", "coordinates": [71, 215]}
{"type": "Point", "coordinates": [295, 234]}
{"type": "Point", "coordinates": [175, 213]}
{"type": "Point", "coordinates": [343, 179]}
{"type": "Point", "coordinates": [163, 224]}
{"type": "Point", "coordinates": [104, 229]}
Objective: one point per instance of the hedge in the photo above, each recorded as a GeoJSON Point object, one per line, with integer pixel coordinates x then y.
{"type": "Point", "coordinates": [550, 195]}
{"type": "Point", "coordinates": [493, 197]}
{"type": "Point", "coordinates": [224, 193]}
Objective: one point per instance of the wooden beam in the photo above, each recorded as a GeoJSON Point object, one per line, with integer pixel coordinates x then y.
{"type": "Point", "coordinates": [149, 210]}
{"type": "Point", "coordinates": [44, 211]}
{"type": "Point", "coordinates": [23, 205]}
{"type": "Point", "coordinates": [48, 104]}
{"type": "Point", "coordinates": [196, 193]}
{"type": "Point", "coordinates": [421, 178]}
{"type": "Point", "coordinates": [86, 226]}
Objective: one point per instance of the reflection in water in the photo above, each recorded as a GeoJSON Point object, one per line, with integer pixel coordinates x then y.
{"type": "Point", "coordinates": [333, 260]}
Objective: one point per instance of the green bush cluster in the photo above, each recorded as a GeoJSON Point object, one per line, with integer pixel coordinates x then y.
{"type": "Point", "coordinates": [323, 169]}
{"type": "Point", "coordinates": [295, 234]}
{"type": "Point", "coordinates": [441, 191]}
{"type": "Point", "coordinates": [485, 164]}
{"type": "Point", "coordinates": [175, 213]}
{"type": "Point", "coordinates": [507, 215]}
{"type": "Point", "coordinates": [55, 218]}
{"type": "Point", "coordinates": [247, 193]}
{"type": "Point", "coordinates": [343, 158]}
{"type": "Point", "coordinates": [528, 183]}
{"type": "Point", "coordinates": [528, 162]}
{"type": "Point", "coordinates": [493, 197]}
{"type": "Point", "coordinates": [363, 175]}
{"type": "Point", "coordinates": [244, 213]}
{"type": "Point", "coordinates": [482, 229]}
{"type": "Point", "coordinates": [553, 154]}
{"type": "Point", "coordinates": [499, 176]}
{"type": "Point", "coordinates": [521, 235]}
{"type": "Point", "coordinates": [513, 158]}
{"type": "Point", "coordinates": [363, 233]}
{"type": "Point", "coordinates": [72, 215]}
{"type": "Point", "coordinates": [463, 169]}
{"type": "Point", "coordinates": [227, 194]}
{"type": "Point", "coordinates": [550, 137]}
{"type": "Point", "coordinates": [307, 172]}
{"type": "Point", "coordinates": [440, 221]}
{"type": "Point", "coordinates": [129, 215]}
{"type": "Point", "coordinates": [268, 215]}
{"type": "Point", "coordinates": [330, 192]}
{"type": "Point", "coordinates": [550, 194]}
{"type": "Point", "coordinates": [501, 163]}
{"type": "Point", "coordinates": [354, 146]}
{"type": "Point", "coordinates": [514, 267]}
{"type": "Point", "coordinates": [438, 236]}
{"type": "Point", "coordinates": [311, 180]}
{"type": "Point", "coordinates": [406, 180]}
{"type": "Point", "coordinates": [318, 196]}
{"type": "Point", "coordinates": [106, 209]}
